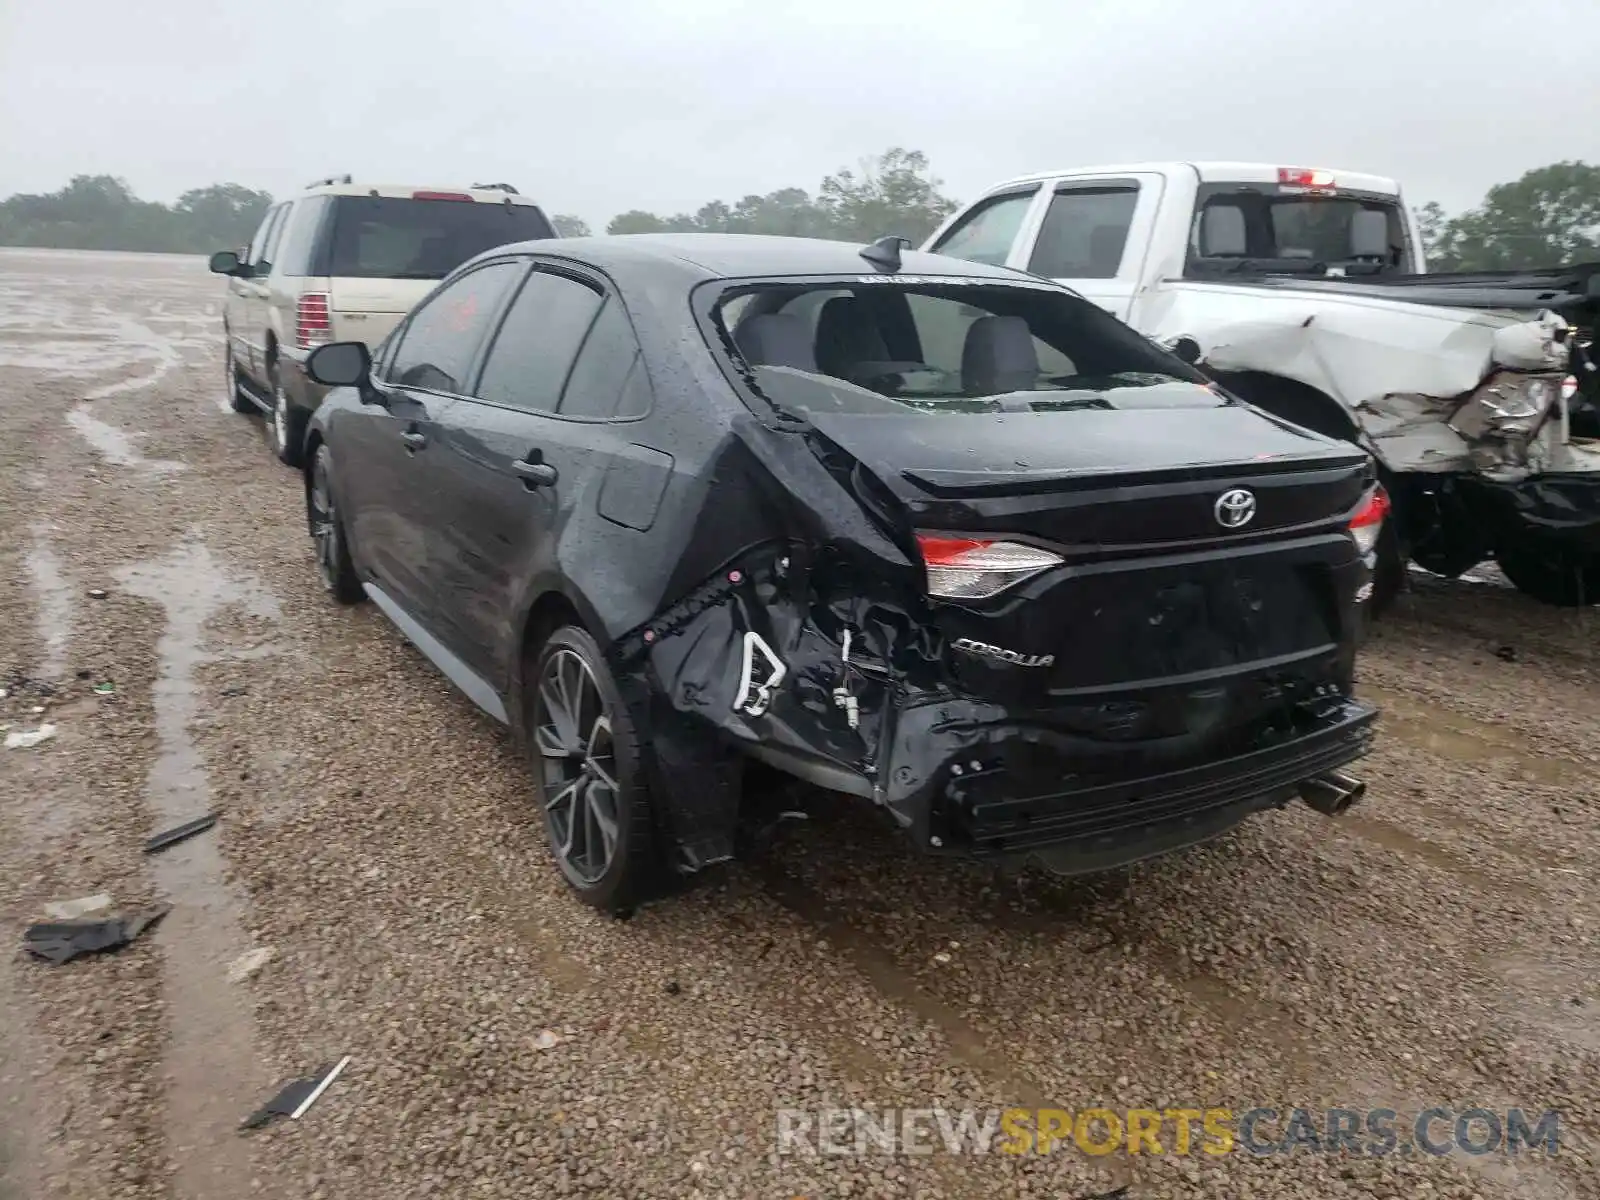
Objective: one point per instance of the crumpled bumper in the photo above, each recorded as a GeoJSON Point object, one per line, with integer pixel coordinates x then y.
{"type": "Point", "coordinates": [1032, 800]}
{"type": "Point", "coordinates": [1557, 507]}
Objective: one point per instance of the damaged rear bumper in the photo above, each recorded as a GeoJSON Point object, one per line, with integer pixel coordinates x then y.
{"type": "Point", "coordinates": [1044, 810]}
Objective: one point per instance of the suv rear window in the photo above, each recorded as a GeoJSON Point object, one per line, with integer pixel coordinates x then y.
{"type": "Point", "coordinates": [392, 237]}
{"type": "Point", "coordinates": [931, 346]}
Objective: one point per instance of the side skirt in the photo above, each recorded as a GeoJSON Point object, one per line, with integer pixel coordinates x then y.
{"type": "Point", "coordinates": [475, 686]}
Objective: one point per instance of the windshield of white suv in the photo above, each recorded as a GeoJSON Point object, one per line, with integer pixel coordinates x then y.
{"type": "Point", "coordinates": [395, 237]}
{"type": "Point", "coordinates": [1247, 228]}
{"type": "Point", "coordinates": [933, 346]}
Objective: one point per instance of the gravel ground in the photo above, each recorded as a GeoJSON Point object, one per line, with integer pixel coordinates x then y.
{"type": "Point", "coordinates": [1436, 946]}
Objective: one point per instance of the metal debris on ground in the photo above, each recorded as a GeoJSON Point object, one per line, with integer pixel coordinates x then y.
{"type": "Point", "coordinates": [62, 941]}
{"type": "Point", "coordinates": [295, 1096]}
{"type": "Point", "coordinates": [180, 833]}
{"type": "Point", "coordinates": [73, 910]}
{"type": "Point", "coordinates": [249, 964]}
{"type": "Point", "coordinates": [24, 739]}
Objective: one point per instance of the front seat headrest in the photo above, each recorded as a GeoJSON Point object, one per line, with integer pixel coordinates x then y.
{"type": "Point", "coordinates": [846, 338]}
{"type": "Point", "coordinates": [999, 356]}
{"type": "Point", "coordinates": [776, 340]}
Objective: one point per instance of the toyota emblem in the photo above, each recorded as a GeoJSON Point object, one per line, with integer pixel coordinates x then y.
{"type": "Point", "coordinates": [1235, 509]}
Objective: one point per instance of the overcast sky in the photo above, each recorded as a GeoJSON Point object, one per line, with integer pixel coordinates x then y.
{"type": "Point", "coordinates": [663, 106]}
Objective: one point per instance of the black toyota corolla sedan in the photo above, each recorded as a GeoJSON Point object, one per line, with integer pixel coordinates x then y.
{"type": "Point", "coordinates": [942, 536]}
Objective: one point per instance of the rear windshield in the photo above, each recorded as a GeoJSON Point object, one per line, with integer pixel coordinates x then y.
{"type": "Point", "coordinates": [391, 237]}
{"type": "Point", "coordinates": [933, 345]}
{"type": "Point", "coordinates": [1275, 229]}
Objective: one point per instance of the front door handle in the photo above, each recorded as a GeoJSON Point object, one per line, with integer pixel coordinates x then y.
{"type": "Point", "coordinates": [535, 474]}
{"type": "Point", "coordinates": [414, 440]}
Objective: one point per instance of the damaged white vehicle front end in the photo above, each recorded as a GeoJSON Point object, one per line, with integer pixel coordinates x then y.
{"type": "Point", "coordinates": [1467, 411]}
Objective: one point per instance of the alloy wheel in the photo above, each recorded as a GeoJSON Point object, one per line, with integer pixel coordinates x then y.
{"type": "Point", "coordinates": [578, 767]}
{"type": "Point", "coordinates": [324, 526]}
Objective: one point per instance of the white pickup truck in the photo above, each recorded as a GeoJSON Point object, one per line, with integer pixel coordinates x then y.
{"type": "Point", "coordinates": [1303, 291]}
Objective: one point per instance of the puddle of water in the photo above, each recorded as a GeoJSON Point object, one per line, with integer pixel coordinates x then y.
{"type": "Point", "coordinates": [116, 446]}
{"type": "Point", "coordinates": [213, 1073]}
{"type": "Point", "coordinates": [1465, 740]}
{"type": "Point", "coordinates": [1392, 837]}
{"type": "Point", "coordinates": [54, 595]}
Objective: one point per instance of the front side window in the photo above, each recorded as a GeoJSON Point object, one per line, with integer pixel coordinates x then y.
{"type": "Point", "coordinates": [528, 363]}
{"type": "Point", "coordinates": [1084, 233]}
{"type": "Point", "coordinates": [258, 244]}
{"type": "Point", "coordinates": [986, 233]}
{"type": "Point", "coordinates": [441, 339]}
{"type": "Point", "coordinates": [927, 346]}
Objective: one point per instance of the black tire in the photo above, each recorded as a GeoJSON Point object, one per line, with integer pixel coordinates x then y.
{"type": "Point", "coordinates": [237, 399]}
{"type": "Point", "coordinates": [1551, 573]}
{"type": "Point", "coordinates": [286, 422]}
{"type": "Point", "coordinates": [584, 751]}
{"type": "Point", "coordinates": [1389, 573]}
{"type": "Point", "coordinates": [334, 563]}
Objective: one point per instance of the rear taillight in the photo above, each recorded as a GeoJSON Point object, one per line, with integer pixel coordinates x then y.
{"type": "Point", "coordinates": [1367, 524]}
{"type": "Point", "coordinates": [313, 323]}
{"type": "Point", "coordinates": [974, 569]}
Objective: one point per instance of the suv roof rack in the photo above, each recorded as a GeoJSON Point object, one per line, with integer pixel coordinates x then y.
{"type": "Point", "coordinates": [331, 179]}
{"type": "Point", "coordinates": [495, 187]}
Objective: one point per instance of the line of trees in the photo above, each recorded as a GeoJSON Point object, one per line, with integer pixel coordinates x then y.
{"type": "Point", "coordinates": [99, 212]}
{"type": "Point", "coordinates": [1549, 216]}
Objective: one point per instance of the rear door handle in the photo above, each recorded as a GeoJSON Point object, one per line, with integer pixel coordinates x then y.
{"type": "Point", "coordinates": [414, 440]}
{"type": "Point", "coordinates": [535, 474]}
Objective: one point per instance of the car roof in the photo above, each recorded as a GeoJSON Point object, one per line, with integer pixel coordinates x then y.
{"type": "Point", "coordinates": [1211, 172]}
{"type": "Point", "coordinates": [747, 255]}
{"type": "Point", "coordinates": [408, 191]}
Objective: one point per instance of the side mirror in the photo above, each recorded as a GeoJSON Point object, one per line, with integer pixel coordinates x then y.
{"type": "Point", "coordinates": [340, 364]}
{"type": "Point", "coordinates": [1187, 349]}
{"type": "Point", "coordinates": [225, 262]}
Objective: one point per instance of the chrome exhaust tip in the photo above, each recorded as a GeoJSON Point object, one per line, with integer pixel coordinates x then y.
{"type": "Point", "coordinates": [1333, 793]}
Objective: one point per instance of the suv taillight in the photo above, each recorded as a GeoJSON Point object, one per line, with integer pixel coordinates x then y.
{"type": "Point", "coordinates": [962, 568]}
{"type": "Point", "coordinates": [1367, 524]}
{"type": "Point", "coordinates": [313, 323]}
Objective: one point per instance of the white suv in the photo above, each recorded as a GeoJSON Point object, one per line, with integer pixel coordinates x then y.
{"type": "Point", "coordinates": [342, 262]}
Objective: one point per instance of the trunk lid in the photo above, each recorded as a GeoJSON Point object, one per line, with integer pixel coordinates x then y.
{"type": "Point", "coordinates": [1154, 596]}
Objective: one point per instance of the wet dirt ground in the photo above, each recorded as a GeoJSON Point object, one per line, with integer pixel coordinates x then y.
{"type": "Point", "coordinates": [377, 846]}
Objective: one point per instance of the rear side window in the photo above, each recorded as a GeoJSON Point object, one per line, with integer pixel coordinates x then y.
{"type": "Point", "coordinates": [608, 380]}
{"type": "Point", "coordinates": [441, 338]}
{"type": "Point", "coordinates": [391, 237]}
{"type": "Point", "coordinates": [986, 233]}
{"type": "Point", "coordinates": [295, 250]}
{"type": "Point", "coordinates": [1084, 233]}
{"type": "Point", "coordinates": [527, 366]}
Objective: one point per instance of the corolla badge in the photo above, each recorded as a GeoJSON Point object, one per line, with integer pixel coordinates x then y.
{"type": "Point", "coordinates": [1014, 657]}
{"type": "Point", "coordinates": [1235, 509]}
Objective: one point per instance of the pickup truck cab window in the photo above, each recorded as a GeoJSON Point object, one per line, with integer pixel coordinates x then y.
{"type": "Point", "coordinates": [1085, 231]}
{"type": "Point", "coordinates": [985, 235]}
